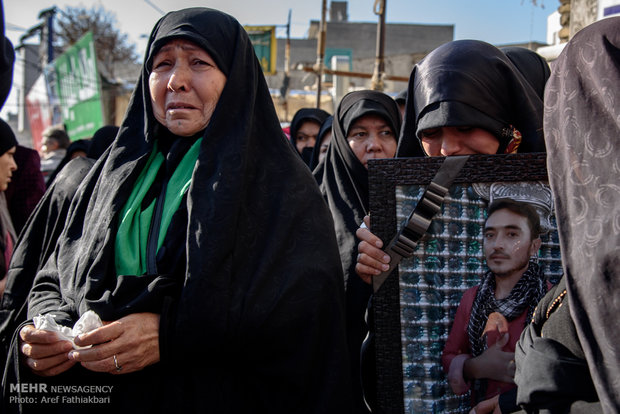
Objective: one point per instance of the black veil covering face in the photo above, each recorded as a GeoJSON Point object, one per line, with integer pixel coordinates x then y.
{"type": "Point", "coordinates": [582, 128]}
{"type": "Point", "coordinates": [470, 83]}
{"type": "Point", "coordinates": [344, 183]}
{"type": "Point", "coordinates": [251, 321]}
{"type": "Point", "coordinates": [315, 115]}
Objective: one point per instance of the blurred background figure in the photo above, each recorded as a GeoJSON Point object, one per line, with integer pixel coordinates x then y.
{"type": "Point", "coordinates": [304, 129]}
{"type": "Point", "coordinates": [76, 149]}
{"type": "Point", "coordinates": [8, 142]}
{"type": "Point", "coordinates": [322, 142]}
{"type": "Point", "coordinates": [53, 149]}
{"type": "Point", "coordinates": [401, 100]}
{"type": "Point", "coordinates": [26, 188]}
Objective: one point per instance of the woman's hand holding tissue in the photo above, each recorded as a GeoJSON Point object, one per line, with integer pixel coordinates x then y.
{"type": "Point", "coordinates": [126, 345]}
{"type": "Point", "coordinates": [45, 353]}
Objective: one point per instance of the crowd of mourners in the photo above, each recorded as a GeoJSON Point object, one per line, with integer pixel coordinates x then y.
{"type": "Point", "coordinates": [195, 259]}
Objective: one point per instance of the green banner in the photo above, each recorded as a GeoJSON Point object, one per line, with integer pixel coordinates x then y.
{"type": "Point", "coordinates": [78, 88]}
{"type": "Point", "coordinates": [263, 39]}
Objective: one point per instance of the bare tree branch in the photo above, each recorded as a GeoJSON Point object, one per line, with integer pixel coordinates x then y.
{"type": "Point", "coordinates": [111, 45]}
{"type": "Point", "coordinates": [536, 3]}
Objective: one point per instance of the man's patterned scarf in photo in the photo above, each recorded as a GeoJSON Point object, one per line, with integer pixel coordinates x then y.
{"type": "Point", "coordinates": [524, 296]}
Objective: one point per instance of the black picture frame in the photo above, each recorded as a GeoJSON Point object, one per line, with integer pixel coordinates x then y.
{"type": "Point", "coordinates": [397, 389]}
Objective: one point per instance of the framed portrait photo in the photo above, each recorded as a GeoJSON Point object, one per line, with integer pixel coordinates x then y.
{"type": "Point", "coordinates": [413, 309]}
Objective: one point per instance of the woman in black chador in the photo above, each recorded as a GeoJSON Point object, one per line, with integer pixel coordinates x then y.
{"type": "Point", "coordinates": [305, 128]}
{"type": "Point", "coordinates": [322, 143]}
{"type": "Point", "coordinates": [40, 235]}
{"type": "Point", "coordinates": [465, 97]}
{"type": "Point", "coordinates": [473, 86]}
{"type": "Point", "coordinates": [192, 239]}
{"type": "Point", "coordinates": [365, 127]}
{"type": "Point", "coordinates": [569, 358]}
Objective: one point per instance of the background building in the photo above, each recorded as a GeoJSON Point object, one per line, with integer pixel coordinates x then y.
{"type": "Point", "coordinates": [351, 46]}
{"type": "Point", "coordinates": [355, 42]}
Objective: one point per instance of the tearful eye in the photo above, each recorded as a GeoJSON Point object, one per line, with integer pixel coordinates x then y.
{"type": "Point", "coordinates": [430, 133]}
{"type": "Point", "coordinates": [160, 65]}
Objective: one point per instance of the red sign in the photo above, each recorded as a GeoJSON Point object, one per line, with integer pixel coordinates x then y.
{"type": "Point", "coordinates": [38, 108]}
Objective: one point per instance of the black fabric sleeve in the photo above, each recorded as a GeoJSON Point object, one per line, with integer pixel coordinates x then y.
{"type": "Point", "coordinates": [46, 296]}
{"type": "Point", "coordinates": [166, 329]}
{"type": "Point", "coordinates": [549, 376]}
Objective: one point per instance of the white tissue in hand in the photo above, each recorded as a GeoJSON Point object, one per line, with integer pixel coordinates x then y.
{"type": "Point", "coordinates": [89, 321]}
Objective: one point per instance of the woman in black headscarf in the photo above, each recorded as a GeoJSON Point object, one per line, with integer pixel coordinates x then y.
{"type": "Point", "coordinates": [471, 87]}
{"type": "Point", "coordinates": [8, 145]}
{"type": "Point", "coordinates": [101, 141]}
{"type": "Point", "coordinates": [465, 97]}
{"type": "Point", "coordinates": [532, 66]}
{"type": "Point", "coordinates": [322, 142]}
{"type": "Point", "coordinates": [569, 358]}
{"type": "Point", "coordinates": [76, 149]}
{"type": "Point", "coordinates": [41, 232]}
{"type": "Point", "coordinates": [304, 130]}
{"type": "Point", "coordinates": [365, 126]}
{"type": "Point", "coordinates": [192, 237]}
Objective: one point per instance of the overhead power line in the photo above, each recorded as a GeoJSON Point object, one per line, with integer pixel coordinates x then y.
{"type": "Point", "coordinates": [150, 3]}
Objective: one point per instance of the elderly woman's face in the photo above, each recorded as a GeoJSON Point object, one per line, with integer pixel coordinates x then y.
{"type": "Point", "coordinates": [185, 85]}
{"type": "Point", "coordinates": [371, 137]}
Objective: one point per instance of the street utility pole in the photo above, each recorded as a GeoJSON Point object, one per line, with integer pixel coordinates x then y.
{"type": "Point", "coordinates": [287, 64]}
{"type": "Point", "coordinates": [320, 53]}
{"type": "Point", "coordinates": [47, 32]}
{"type": "Point", "coordinates": [379, 72]}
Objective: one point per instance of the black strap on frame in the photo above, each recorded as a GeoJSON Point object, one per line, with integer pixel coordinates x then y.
{"type": "Point", "coordinates": [404, 243]}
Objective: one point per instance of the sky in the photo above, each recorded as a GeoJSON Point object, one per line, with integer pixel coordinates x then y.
{"type": "Point", "coordinates": [496, 21]}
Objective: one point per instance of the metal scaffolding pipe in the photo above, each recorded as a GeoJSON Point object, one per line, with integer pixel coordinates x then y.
{"type": "Point", "coordinates": [320, 52]}
{"type": "Point", "coordinates": [377, 77]}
